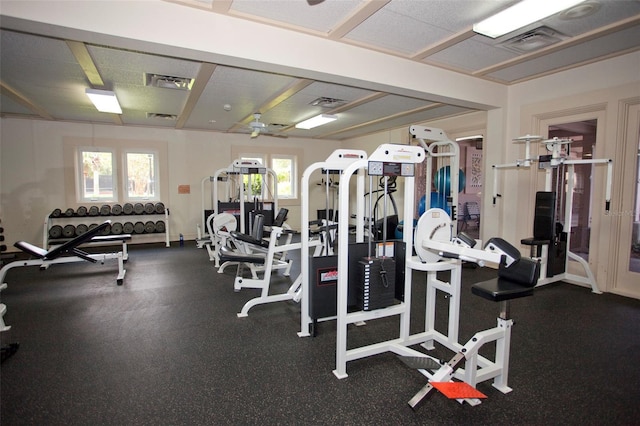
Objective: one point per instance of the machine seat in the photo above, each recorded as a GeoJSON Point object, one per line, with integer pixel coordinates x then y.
{"type": "Point", "coordinates": [228, 255]}
{"type": "Point", "coordinates": [249, 239]}
{"type": "Point", "coordinates": [517, 280]}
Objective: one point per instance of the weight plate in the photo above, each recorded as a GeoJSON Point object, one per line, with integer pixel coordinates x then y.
{"type": "Point", "coordinates": [94, 211]}
{"type": "Point", "coordinates": [138, 228]}
{"type": "Point", "coordinates": [55, 231]}
{"type": "Point", "coordinates": [106, 230]}
{"type": "Point", "coordinates": [69, 231]}
{"type": "Point", "coordinates": [56, 213]}
{"type": "Point", "coordinates": [69, 212]}
{"type": "Point", "coordinates": [160, 226]}
{"type": "Point", "coordinates": [159, 208]}
{"type": "Point", "coordinates": [116, 228]}
{"type": "Point", "coordinates": [149, 208]}
{"type": "Point", "coordinates": [82, 211]}
{"type": "Point", "coordinates": [149, 227]}
{"type": "Point", "coordinates": [138, 208]}
{"type": "Point", "coordinates": [127, 227]}
{"type": "Point", "coordinates": [81, 229]}
{"type": "Point", "coordinates": [93, 225]}
{"type": "Point", "coordinates": [127, 208]}
{"type": "Point", "coordinates": [116, 210]}
{"type": "Point", "coordinates": [105, 210]}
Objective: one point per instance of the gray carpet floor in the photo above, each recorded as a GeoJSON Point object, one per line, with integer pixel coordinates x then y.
{"type": "Point", "coordinates": [167, 348]}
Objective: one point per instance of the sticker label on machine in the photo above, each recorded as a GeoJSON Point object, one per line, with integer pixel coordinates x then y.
{"type": "Point", "coordinates": [380, 168]}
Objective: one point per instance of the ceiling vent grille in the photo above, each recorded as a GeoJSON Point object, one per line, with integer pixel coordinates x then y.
{"type": "Point", "coordinates": [168, 81]}
{"type": "Point", "coordinates": [327, 102]}
{"type": "Point", "coordinates": [533, 40]}
{"type": "Point", "coordinates": [162, 116]}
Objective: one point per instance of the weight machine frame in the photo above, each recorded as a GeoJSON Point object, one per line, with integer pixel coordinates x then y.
{"type": "Point", "coordinates": [556, 159]}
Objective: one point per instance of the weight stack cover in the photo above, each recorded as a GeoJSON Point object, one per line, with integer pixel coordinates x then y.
{"type": "Point", "coordinates": [375, 283]}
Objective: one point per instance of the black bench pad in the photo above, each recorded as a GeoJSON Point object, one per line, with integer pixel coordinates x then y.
{"type": "Point", "coordinates": [249, 239]}
{"type": "Point", "coordinates": [500, 289]}
{"type": "Point", "coordinates": [517, 280]}
{"type": "Point", "coordinates": [228, 255]}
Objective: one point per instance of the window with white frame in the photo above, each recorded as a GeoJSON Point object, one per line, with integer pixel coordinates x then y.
{"type": "Point", "coordinates": [141, 172]}
{"type": "Point", "coordinates": [284, 167]}
{"type": "Point", "coordinates": [97, 175]}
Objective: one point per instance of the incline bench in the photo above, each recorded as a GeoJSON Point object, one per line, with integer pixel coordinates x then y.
{"type": "Point", "coordinates": [70, 252]}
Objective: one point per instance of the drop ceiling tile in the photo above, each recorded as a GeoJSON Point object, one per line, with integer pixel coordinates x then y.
{"type": "Point", "coordinates": [471, 55]}
{"type": "Point", "coordinates": [626, 39]}
{"type": "Point", "coordinates": [321, 17]}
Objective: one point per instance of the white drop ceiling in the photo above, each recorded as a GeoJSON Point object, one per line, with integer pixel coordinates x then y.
{"type": "Point", "coordinates": [40, 73]}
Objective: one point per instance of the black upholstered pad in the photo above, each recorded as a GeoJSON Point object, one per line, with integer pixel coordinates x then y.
{"type": "Point", "coordinates": [249, 239]}
{"type": "Point", "coordinates": [228, 255]}
{"type": "Point", "coordinates": [504, 246]}
{"type": "Point", "coordinates": [70, 246]}
{"type": "Point", "coordinates": [534, 242]}
{"type": "Point", "coordinates": [517, 280]}
{"type": "Point", "coordinates": [500, 289]}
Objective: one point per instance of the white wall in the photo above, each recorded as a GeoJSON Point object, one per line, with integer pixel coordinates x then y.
{"type": "Point", "coordinates": [33, 171]}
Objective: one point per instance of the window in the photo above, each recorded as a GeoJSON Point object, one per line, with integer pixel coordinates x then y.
{"type": "Point", "coordinates": [97, 175]}
{"type": "Point", "coordinates": [99, 180]}
{"type": "Point", "coordinates": [284, 163]}
{"type": "Point", "coordinates": [253, 182]}
{"type": "Point", "coordinates": [284, 167]}
{"type": "Point", "coordinates": [141, 173]}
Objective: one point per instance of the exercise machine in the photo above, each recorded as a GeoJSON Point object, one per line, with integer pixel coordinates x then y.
{"type": "Point", "coordinates": [516, 278]}
{"type": "Point", "coordinates": [560, 167]}
{"type": "Point", "coordinates": [446, 153]}
{"type": "Point", "coordinates": [323, 274]}
{"type": "Point", "coordinates": [235, 190]}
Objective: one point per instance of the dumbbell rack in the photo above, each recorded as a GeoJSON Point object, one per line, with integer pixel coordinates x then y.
{"type": "Point", "coordinates": [135, 219]}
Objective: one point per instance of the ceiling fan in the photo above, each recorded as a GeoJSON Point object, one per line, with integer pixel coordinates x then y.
{"type": "Point", "coordinates": [258, 128]}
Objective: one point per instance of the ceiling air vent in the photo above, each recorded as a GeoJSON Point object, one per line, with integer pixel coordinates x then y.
{"type": "Point", "coordinates": [162, 116]}
{"type": "Point", "coordinates": [168, 81]}
{"type": "Point", "coordinates": [533, 40]}
{"type": "Point", "coordinates": [327, 102]}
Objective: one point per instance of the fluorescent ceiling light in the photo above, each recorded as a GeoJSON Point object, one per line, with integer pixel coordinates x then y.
{"type": "Point", "coordinates": [520, 15]}
{"type": "Point", "coordinates": [104, 100]}
{"type": "Point", "coordinates": [316, 121]}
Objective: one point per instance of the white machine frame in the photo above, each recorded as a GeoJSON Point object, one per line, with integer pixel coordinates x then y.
{"type": "Point", "coordinates": [554, 145]}
{"type": "Point", "coordinates": [237, 167]}
{"type": "Point", "coordinates": [338, 160]}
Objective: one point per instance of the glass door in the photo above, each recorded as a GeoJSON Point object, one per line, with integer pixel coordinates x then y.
{"type": "Point", "coordinates": [583, 135]}
{"type": "Point", "coordinates": [626, 218]}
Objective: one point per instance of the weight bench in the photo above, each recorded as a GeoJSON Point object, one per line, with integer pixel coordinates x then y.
{"type": "Point", "coordinates": [69, 252]}
{"type": "Point", "coordinates": [516, 281]}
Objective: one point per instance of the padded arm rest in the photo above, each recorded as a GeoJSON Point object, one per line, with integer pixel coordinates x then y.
{"type": "Point", "coordinates": [248, 239]}
{"type": "Point", "coordinates": [503, 246]}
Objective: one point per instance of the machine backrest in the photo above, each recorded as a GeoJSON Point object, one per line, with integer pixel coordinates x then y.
{"type": "Point", "coordinates": [257, 231]}
{"type": "Point", "coordinates": [543, 220]}
{"type": "Point", "coordinates": [524, 272]}
{"type": "Point", "coordinates": [72, 244]}
{"type": "Point", "coordinates": [282, 216]}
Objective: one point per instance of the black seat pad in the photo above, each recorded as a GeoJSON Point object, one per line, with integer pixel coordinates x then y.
{"type": "Point", "coordinates": [228, 255]}
{"type": "Point", "coordinates": [517, 280]}
{"type": "Point", "coordinates": [249, 239]}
